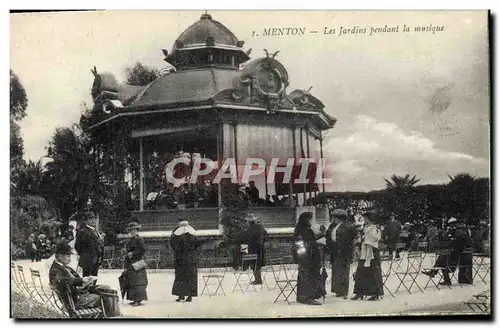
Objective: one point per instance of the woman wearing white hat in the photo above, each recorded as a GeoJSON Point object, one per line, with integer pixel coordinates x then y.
{"type": "Point", "coordinates": [184, 244]}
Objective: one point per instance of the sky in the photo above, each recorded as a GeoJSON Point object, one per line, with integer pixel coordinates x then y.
{"type": "Point", "coordinates": [406, 102]}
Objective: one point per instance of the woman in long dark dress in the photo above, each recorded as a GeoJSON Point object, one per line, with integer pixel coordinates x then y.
{"type": "Point", "coordinates": [368, 276]}
{"type": "Point", "coordinates": [340, 242]}
{"type": "Point", "coordinates": [184, 244]}
{"type": "Point", "coordinates": [137, 279]}
{"type": "Point", "coordinates": [308, 257]}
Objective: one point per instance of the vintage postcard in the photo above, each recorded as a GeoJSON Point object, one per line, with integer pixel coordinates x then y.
{"type": "Point", "coordinates": [249, 164]}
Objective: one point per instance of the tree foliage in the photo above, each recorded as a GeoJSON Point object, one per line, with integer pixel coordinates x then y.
{"type": "Point", "coordinates": [31, 179]}
{"type": "Point", "coordinates": [71, 178]}
{"type": "Point", "coordinates": [234, 211]}
{"type": "Point", "coordinates": [27, 215]}
{"type": "Point", "coordinates": [465, 197]}
{"type": "Point", "coordinates": [401, 182]}
{"type": "Point", "coordinates": [18, 98]}
{"type": "Point", "coordinates": [140, 75]}
{"type": "Point", "coordinates": [18, 105]}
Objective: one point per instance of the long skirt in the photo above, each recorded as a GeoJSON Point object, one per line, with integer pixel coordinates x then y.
{"type": "Point", "coordinates": [368, 280]}
{"type": "Point", "coordinates": [340, 276]}
{"type": "Point", "coordinates": [137, 282]}
{"type": "Point", "coordinates": [308, 281]}
{"type": "Point", "coordinates": [186, 282]}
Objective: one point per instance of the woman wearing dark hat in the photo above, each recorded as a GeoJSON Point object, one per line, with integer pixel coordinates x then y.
{"type": "Point", "coordinates": [184, 244]}
{"type": "Point", "coordinates": [340, 242]}
{"type": "Point", "coordinates": [308, 257]}
{"type": "Point", "coordinates": [136, 276]}
{"type": "Point", "coordinates": [368, 276]}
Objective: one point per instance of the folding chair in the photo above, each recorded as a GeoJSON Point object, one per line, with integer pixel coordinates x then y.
{"type": "Point", "coordinates": [465, 268]}
{"type": "Point", "coordinates": [423, 246]}
{"type": "Point", "coordinates": [39, 291]}
{"type": "Point", "coordinates": [386, 273]}
{"type": "Point", "coordinates": [383, 249]}
{"type": "Point", "coordinates": [272, 264]}
{"type": "Point", "coordinates": [412, 270]}
{"type": "Point", "coordinates": [246, 275]}
{"type": "Point", "coordinates": [58, 302]}
{"type": "Point", "coordinates": [14, 278]}
{"type": "Point", "coordinates": [286, 283]}
{"type": "Point", "coordinates": [291, 267]}
{"type": "Point", "coordinates": [215, 276]}
{"type": "Point", "coordinates": [27, 288]}
{"type": "Point", "coordinates": [482, 304]}
{"type": "Point", "coordinates": [400, 247]}
{"type": "Point", "coordinates": [396, 265]}
{"type": "Point", "coordinates": [439, 269]}
{"type": "Point", "coordinates": [266, 276]}
{"type": "Point", "coordinates": [153, 254]}
{"type": "Point", "coordinates": [481, 266]}
{"type": "Point", "coordinates": [108, 258]}
{"type": "Point", "coordinates": [73, 312]}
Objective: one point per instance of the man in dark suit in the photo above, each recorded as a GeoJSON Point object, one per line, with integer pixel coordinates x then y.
{"type": "Point", "coordinates": [340, 238]}
{"type": "Point", "coordinates": [391, 234]}
{"type": "Point", "coordinates": [256, 237]}
{"type": "Point", "coordinates": [90, 246]}
{"type": "Point", "coordinates": [62, 275]}
{"type": "Point", "coordinates": [459, 241]}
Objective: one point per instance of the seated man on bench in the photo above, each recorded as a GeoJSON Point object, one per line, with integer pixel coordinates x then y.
{"type": "Point", "coordinates": [62, 275]}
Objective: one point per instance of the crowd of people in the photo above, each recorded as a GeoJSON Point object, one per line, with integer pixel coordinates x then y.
{"type": "Point", "coordinates": [194, 195]}
{"type": "Point", "coordinates": [345, 243]}
{"type": "Point", "coordinates": [342, 243]}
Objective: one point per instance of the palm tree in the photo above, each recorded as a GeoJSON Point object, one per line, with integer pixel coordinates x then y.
{"type": "Point", "coordinates": [462, 179]}
{"type": "Point", "coordinates": [401, 182]}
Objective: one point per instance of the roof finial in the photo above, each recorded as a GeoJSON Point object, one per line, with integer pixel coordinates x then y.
{"type": "Point", "coordinates": [206, 15]}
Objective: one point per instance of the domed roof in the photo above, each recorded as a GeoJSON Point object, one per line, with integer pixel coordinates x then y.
{"type": "Point", "coordinates": [198, 33]}
{"type": "Point", "coordinates": [186, 86]}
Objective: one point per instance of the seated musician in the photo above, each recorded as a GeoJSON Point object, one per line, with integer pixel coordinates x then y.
{"type": "Point", "coordinates": [61, 275]}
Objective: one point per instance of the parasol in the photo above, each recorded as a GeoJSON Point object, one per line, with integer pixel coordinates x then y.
{"type": "Point", "coordinates": [123, 284]}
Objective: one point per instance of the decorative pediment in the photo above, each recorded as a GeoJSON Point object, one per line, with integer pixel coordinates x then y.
{"type": "Point", "coordinates": [263, 81]}
{"type": "Point", "coordinates": [304, 99]}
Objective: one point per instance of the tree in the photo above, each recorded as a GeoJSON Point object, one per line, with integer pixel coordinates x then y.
{"type": "Point", "coordinates": [18, 99]}
{"type": "Point", "coordinates": [18, 105]}
{"type": "Point", "coordinates": [401, 182]}
{"type": "Point", "coordinates": [16, 154]}
{"type": "Point", "coordinates": [401, 198]}
{"type": "Point", "coordinates": [461, 189]}
{"type": "Point", "coordinates": [27, 215]}
{"type": "Point", "coordinates": [140, 75]}
{"type": "Point", "coordinates": [234, 211]}
{"type": "Point", "coordinates": [30, 179]}
{"type": "Point", "coordinates": [71, 178]}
